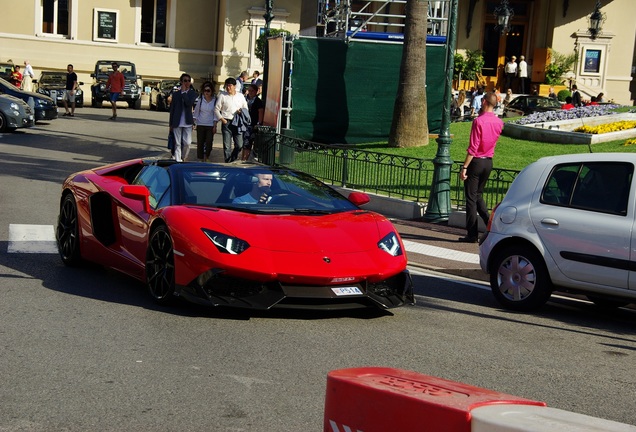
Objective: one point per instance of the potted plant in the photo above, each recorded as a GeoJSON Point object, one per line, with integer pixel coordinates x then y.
{"type": "Point", "coordinates": [555, 70]}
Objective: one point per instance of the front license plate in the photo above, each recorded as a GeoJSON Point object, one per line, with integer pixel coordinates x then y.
{"type": "Point", "coordinates": [346, 291]}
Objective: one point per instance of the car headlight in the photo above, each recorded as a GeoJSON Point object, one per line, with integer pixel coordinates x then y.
{"type": "Point", "coordinates": [42, 91]}
{"type": "Point", "coordinates": [390, 244]}
{"type": "Point", "coordinates": [133, 88]}
{"type": "Point", "coordinates": [14, 106]}
{"type": "Point", "coordinates": [79, 92]}
{"type": "Point", "coordinates": [225, 243]}
{"type": "Point", "coordinates": [102, 87]}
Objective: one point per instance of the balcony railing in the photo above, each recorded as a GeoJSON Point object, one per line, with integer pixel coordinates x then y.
{"type": "Point", "coordinates": [401, 177]}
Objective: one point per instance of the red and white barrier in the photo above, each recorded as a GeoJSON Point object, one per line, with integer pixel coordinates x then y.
{"type": "Point", "coordinates": [375, 399]}
{"type": "Point", "coordinates": [526, 418]}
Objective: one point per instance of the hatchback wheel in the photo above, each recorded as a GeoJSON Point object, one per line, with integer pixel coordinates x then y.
{"type": "Point", "coordinates": [67, 232]}
{"type": "Point", "coordinates": [3, 123]}
{"type": "Point", "coordinates": [519, 278]}
{"type": "Point", "coordinates": [160, 266]}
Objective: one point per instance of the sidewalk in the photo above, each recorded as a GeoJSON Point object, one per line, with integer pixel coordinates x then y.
{"type": "Point", "coordinates": [435, 247]}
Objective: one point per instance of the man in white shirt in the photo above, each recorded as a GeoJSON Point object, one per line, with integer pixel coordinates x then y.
{"type": "Point", "coordinates": [228, 104]}
{"type": "Point", "coordinates": [511, 71]}
{"type": "Point", "coordinates": [523, 74]}
{"type": "Point", "coordinates": [27, 78]}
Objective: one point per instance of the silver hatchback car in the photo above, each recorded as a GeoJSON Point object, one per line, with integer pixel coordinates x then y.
{"type": "Point", "coordinates": [567, 223]}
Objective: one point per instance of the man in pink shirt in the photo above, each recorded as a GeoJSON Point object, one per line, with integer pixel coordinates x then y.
{"type": "Point", "coordinates": [478, 163]}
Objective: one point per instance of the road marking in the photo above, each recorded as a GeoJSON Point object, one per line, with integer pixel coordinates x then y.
{"type": "Point", "coordinates": [435, 251]}
{"type": "Point", "coordinates": [25, 238]}
{"type": "Point", "coordinates": [31, 239]}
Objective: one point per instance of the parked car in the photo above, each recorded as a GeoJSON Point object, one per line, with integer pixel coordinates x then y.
{"type": "Point", "coordinates": [6, 69]}
{"type": "Point", "coordinates": [43, 106]}
{"type": "Point", "coordinates": [52, 84]}
{"type": "Point", "coordinates": [566, 223]}
{"type": "Point", "coordinates": [132, 90]}
{"type": "Point", "coordinates": [159, 94]}
{"type": "Point", "coordinates": [526, 104]}
{"type": "Point", "coordinates": [14, 114]}
{"type": "Point", "coordinates": [188, 229]}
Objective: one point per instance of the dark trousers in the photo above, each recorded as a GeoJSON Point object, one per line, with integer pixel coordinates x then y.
{"type": "Point", "coordinates": [510, 78]}
{"type": "Point", "coordinates": [478, 173]}
{"type": "Point", "coordinates": [205, 136]}
{"type": "Point", "coordinates": [231, 134]}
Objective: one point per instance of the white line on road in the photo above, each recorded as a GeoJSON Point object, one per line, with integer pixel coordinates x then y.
{"type": "Point", "coordinates": [435, 251]}
{"type": "Point", "coordinates": [25, 238]}
{"type": "Point", "coordinates": [31, 239]}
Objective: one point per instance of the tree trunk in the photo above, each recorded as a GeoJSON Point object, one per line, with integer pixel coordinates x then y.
{"type": "Point", "coordinates": [410, 122]}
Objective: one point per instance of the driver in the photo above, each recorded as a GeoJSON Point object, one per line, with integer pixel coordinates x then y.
{"type": "Point", "coordinates": [260, 191]}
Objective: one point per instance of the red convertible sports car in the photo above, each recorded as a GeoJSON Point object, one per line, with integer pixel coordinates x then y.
{"type": "Point", "coordinates": [241, 235]}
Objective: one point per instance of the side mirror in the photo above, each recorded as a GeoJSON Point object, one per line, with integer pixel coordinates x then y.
{"type": "Point", "coordinates": [358, 198]}
{"type": "Point", "coordinates": [34, 81]}
{"type": "Point", "coordinates": [80, 83]}
{"type": "Point", "coordinates": [92, 75]}
{"type": "Point", "coordinates": [137, 192]}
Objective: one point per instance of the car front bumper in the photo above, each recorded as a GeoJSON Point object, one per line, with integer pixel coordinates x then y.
{"type": "Point", "coordinates": [220, 290]}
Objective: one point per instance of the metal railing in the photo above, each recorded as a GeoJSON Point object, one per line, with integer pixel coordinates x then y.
{"type": "Point", "coordinates": [401, 177]}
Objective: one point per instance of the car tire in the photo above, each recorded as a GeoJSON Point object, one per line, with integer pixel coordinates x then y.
{"type": "Point", "coordinates": [136, 104]}
{"type": "Point", "coordinates": [519, 278]}
{"type": "Point", "coordinates": [67, 232]}
{"type": "Point", "coordinates": [160, 272]}
{"type": "Point", "coordinates": [161, 105]}
{"type": "Point", "coordinates": [3, 123]}
{"type": "Point", "coordinates": [95, 103]}
{"type": "Point", "coordinates": [607, 303]}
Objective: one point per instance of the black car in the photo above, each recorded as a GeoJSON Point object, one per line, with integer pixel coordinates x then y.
{"type": "Point", "coordinates": [14, 113]}
{"type": "Point", "coordinates": [131, 92]}
{"type": "Point", "coordinates": [53, 84]}
{"type": "Point", "coordinates": [43, 106]}
{"type": "Point", "coordinates": [159, 94]}
{"type": "Point", "coordinates": [524, 105]}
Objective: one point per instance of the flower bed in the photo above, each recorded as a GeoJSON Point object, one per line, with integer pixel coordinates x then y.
{"type": "Point", "coordinates": [562, 131]}
{"type": "Point", "coordinates": [607, 127]}
{"type": "Point", "coordinates": [559, 115]}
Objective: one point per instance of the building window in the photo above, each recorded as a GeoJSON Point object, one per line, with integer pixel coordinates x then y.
{"type": "Point", "coordinates": [153, 21]}
{"type": "Point", "coordinates": [55, 17]}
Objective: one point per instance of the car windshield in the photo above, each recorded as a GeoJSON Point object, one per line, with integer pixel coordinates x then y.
{"type": "Point", "coordinates": [47, 78]}
{"type": "Point", "coordinates": [544, 102]}
{"type": "Point", "coordinates": [255, 189]}
{"type": "Point", "coordinates": [127, 68]}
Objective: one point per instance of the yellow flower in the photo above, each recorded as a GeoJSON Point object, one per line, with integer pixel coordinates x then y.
{"type": "Point", "coordinates": [607, 127]}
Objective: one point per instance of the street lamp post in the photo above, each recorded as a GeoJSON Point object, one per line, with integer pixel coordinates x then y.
{"type": "Point", "coordinates": [269, 16]}
{"type": "Point", "coordinates": [438, 208]}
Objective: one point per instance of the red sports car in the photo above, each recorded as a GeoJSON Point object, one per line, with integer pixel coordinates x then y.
{"type": "Point", "coordinates": [241, 235]}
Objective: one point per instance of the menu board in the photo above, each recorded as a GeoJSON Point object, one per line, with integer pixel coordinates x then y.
{"type": "Point", "coordinates": [106, 25]}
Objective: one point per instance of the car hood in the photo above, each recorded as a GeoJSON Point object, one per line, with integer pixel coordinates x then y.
{"type": "Point", "coordinates": [345, 232]}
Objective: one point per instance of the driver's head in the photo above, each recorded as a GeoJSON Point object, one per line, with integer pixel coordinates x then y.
{"type": "Point", "coordinates": [264, 180]}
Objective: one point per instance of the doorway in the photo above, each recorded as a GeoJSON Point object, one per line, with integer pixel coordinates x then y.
{"type": "Point", "coordinates": [498, 49]}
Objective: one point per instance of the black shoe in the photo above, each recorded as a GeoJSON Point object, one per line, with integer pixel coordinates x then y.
{"type": "Point", "coordinates": [468, 239]}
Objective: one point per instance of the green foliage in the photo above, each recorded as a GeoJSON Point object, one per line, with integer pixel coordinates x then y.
{"type": "Point", "coordinates": [559, 65]}
{"type": "Point", "coordinates": [459, 66]}
{"type": "Point", "coordinates": [259, 50]}
{"type": "Point", "coordinates": [474, 64]}
{"type": "Point", "coordinates": [563, 94]}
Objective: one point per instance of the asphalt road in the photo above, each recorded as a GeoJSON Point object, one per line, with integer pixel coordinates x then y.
{"type": "Point", "coordinates": [86, 349]}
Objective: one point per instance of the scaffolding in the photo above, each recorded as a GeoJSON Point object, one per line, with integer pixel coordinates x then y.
{"type": "Point", "coordinates": [376, 19]}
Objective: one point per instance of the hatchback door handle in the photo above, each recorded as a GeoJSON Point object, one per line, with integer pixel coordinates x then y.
{"type": "Point", "coordinates": [550, 221]}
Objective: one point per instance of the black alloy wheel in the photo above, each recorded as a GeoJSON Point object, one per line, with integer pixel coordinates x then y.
{"type": "Point", "coordinates": [67, 232]}
{"type": "Point", "coordinates": [160, 272]}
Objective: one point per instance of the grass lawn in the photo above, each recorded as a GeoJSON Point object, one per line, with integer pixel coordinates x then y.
{"type": "Point", "coordinates": [513, 154]}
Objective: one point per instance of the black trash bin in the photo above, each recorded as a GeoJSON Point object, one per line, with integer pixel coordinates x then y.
{"type": "Point", "coordinates": [266, 144]}
{"type": "Point", "coordinates": [287, 148]}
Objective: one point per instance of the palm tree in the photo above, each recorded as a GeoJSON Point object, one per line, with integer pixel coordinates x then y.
{"type": "Point", "coordinates": [410, 123]}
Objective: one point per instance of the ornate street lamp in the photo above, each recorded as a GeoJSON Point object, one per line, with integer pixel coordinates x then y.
{"type": "Point", "coordinates": [503, 14]}
{"type": "Point", "coordinates": [596, 21]}
{"type": "Point", "coordinates": [439, 205]}
{"type": "Point", "coordinates": [269, 16]}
